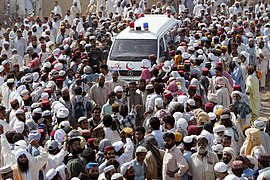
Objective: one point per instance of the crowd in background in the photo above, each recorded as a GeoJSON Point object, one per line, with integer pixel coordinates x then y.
{"type": "Point", "coordinates": [65, 114]}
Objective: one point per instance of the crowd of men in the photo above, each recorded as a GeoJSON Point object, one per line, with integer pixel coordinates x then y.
{"type": "Point", "coordinates": [65, 114]}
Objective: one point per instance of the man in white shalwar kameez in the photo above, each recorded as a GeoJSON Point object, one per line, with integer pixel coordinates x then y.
{"type": "Point", "coordinates": [38, 8]}
{"type": "Point", "coordinates": [57, 9]}
{"type": "Point", "coordinates": [263, 55]}
{"type": "Point", "coordinates": [21, 5]}
{"type": "Point", "coordinates": [29, 7]}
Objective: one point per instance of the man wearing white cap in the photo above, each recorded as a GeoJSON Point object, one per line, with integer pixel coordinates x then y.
{"type": "Point", "coordinates": [27, 166]}
{"type": "Point", "coordinates": [107, 172]}
{"type": "Point", "coordinates": [138, 163]}
{"type": "Point", "coordinates": [220, 170]}
{"type": "Point", "coordinates": [6, 49]}
{"type": "Point", "coordinates": [123, 152]}
{"type": "Point", "coordinates": [263, 56]}
{"type": "Point", "coordinates": [127, 170]}
{"type": "Point", "coordinates": [6, 172]}
{"type": "Point", "coordinates": [52, 174]}
{"type": "Point", "coordinates": [16, 58]}
{"type": "Point", "coordinates": [228, 157]}
{"type": "Point", "coordinates": [260, 124]}
{"type": "Point", "coordinates": [20, 117]}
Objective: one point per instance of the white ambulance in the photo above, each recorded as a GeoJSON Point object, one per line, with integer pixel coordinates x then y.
{"type": "Point", "coordinates": [147, 35]}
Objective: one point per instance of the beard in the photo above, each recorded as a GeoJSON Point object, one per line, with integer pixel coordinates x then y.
{"type": "Point", "coordinates": [66, 98]}
{"type": "Point", "coordinates": [130, 177]}
{"type": "Point", "coordinates": [23, 166]}
{"type": "Point", "coordinates": [169, 146]}
{"type": "Point", "coordinates": [77, 152]}
{"type": "Point", "coordinates": [142, 88]}
{"type": "Point", "coordinates": [93, 176]}
{"type": "Point", "coordinates": [226, 160]}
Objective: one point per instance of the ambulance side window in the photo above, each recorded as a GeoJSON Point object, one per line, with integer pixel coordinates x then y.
{"type": "Point", "coordinates": [161, 48]}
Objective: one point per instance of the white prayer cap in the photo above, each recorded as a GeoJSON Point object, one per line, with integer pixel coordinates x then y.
{"type": "Point", "coordinates": [37, 111]}
{"type": "Point", "coordinates": [181, 48]}
{"type": "Point", "coordinates": [62, 113]}
{"type": "Point", "coordinates": [58, 66]}
{"type": "Point", "coordinates": [118, 145]}
{"type": "Point", "coordinates": [212, 116]}
{"type": "Point", "coordinates": [212, 97]}
{"type": "Point", "coordinates": [182, 124]}
{"type": "Point", "coordinates": [5, 43]}
{"type": "Point", "coordinates": [249, 34]}
{"type": "Point", "coordinates": [59, 135]}
{"type": "Point", "coordinates": [82, 119]}
{"type": "Point", "coordinates": [188, 139]}
{"type": "Point", "coordinates": [191, 102]}
{"type": "Point", "coordinates": [228, 133]}
{"type": "Point", "coordinates": [259, 124]}
{"type": "Point", "coordinates": [116, 176]}
{"type": "Point", "coordinates": [237, 93]}
{"type": "Point", "coordinates": [146, 63]}
{"type": "Point", "coordinates": [125, 167]}
{"type": "Point", "coordinates": [19, 127]}
{"type": "Point", "coordinates": [200, 51]}
{"type": "Point", "coordinates": [50, 174]}
{"type": "Point", "coordinates": [64, 124]}
{"type": "Point", "coordinates": [177, 115]}
{"type": "Point", "coordinates": [220, 167]}
{"type": "Point", "coordinates": [87, 69]}
{"type": "Point", "coordinates": [47, 65]}
{"type": "Point", "coordinates": [46, 113]}
{"type": "Point", "coordinates": [219, 128]}
{"type": "Point", "coordinates": [166, 68]}
{"type": "Point", "coordinates": [35, 76]}
{"type": "Point", "coordinates": [118, 89]}
{"type": "Point", "coordinates": [141, 149]}
{"type": "Point", "coordinates": [185, 55]}
{"type": "Point", "coordinates": [10, 80]}
{"type": "Point", "coordinates": [159, 102]}
{"type": "Point", "coordinates": [229, 150]}
{"type": "Point", "coordinates": [35, 105]}
{"type": "Point", "coordinates": [5, 169]}
{"type": "Point", "coordinates": [245, 54]}
{"type": "Point", "coordinates": [44, 95]}
{"type": "Point", "coordinates": [56, 52]}
{"type": "Point", "coordinates": [19, 111]}
{"type": "Point", "coordinates": [21, 144]}
{"type": "Point", "coordinates": [108, 168]}
{"type": "Point", "coordinates": [149, 86]}
{"type": "Point", "coordinates": [62, 73]}
{"type": "Point", "coordinates": [217, 148]}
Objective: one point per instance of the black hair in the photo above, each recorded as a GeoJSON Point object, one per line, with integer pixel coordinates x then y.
{"type": "Point", "coordinates": [95, 108]}
{"type": "Point", "coordinates": [140, 129]}
{"type": "Point", "coordinates": [107, 120]}
{"type": "Point", "coordinates": [104, 66]}
{"type": "Point", "coordinates": [169, 135]}
{"type": "Point", "coordinates": [169, 119]}
{"type": "Point", "coordinates": [155, 123]}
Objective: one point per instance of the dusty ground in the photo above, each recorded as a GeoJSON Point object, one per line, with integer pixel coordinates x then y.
{"type": "Point", "coordinates": [265, 98]}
